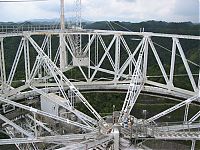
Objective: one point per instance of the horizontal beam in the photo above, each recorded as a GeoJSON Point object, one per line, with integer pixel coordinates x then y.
{"type": "Point", "coordinates": [48, 139]}
{"type": "Point", "coordinates": [102, 32]}
{"type": "Point", "coordinates": [178, 127]}
{"type": "Point", "coordinates": [104, 86]}
{"type": "Point", "coordinates": [182, 136]}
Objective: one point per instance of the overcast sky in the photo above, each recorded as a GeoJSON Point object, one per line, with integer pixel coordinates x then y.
{"type": "Point", "coordinates": [95, 10]}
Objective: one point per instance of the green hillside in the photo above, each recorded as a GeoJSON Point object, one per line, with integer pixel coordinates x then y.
{"type": "Point", "coordinates": [149, 26]}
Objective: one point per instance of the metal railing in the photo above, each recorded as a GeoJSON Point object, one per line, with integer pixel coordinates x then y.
{"type": "Point", "coordinates": [4, 29]}
{"type": "Point", "coordinates": [167, 129]}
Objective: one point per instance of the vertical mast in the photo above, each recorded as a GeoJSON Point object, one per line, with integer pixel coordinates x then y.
{"type": "Point", "coordinates": [78, 13]}
{"type": "Point", "coordinates": [62, 15]}
{"type": "Point", "coordinates": [63, 53]}
{"type": "Point", "coordinates": [78, 49]}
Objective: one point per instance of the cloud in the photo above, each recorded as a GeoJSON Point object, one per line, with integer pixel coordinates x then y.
{"type": "Point", "coordinates": [16, 11]}
{"type": "Point", "coordinates": [123, 10]}
{"type": "Point", "coordinates": [187, 9]}
{"type": "Point", "coordinates": [131, 1]}
{"type": "Point", "coordinates": [138, 10]}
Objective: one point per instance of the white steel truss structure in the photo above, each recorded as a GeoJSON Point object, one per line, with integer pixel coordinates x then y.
{"type": "Point", "coordinates": [38, 100]}
{"type": "Point", "coordinates": [45, 75]}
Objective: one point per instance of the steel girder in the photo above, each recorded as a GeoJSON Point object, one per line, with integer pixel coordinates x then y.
{"type": "Point", "coordinates": [118, 69]}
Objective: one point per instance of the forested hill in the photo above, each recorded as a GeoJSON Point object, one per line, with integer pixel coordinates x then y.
{"type": "Point", "coordinates": [149, 26]}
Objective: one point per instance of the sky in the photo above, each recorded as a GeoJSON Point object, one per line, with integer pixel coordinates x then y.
{"type": "Point", "coordinates": [110, 10]}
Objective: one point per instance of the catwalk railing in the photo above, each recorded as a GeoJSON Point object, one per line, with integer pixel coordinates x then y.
{"type": "Point", "coordinates": [4, 29]}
